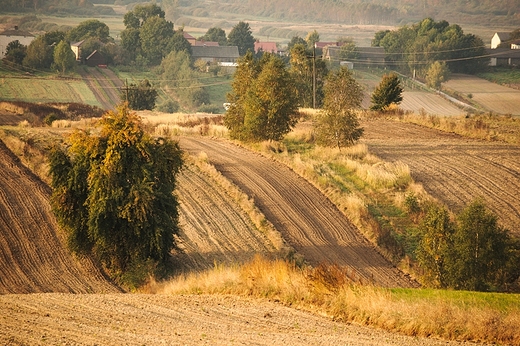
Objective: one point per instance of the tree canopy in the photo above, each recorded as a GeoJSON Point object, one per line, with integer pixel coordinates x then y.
{"type": "Point", "coordinates": [263, 102]}
{"type": "Point", "coordinates": [113, 192]}
{"type": "Point", "coordinates": [337, 123]}
{"type": "Point", "coordinates": [15, 52]}
{"type": "Point", "coordinates": [139, 97]}
{"type": "Point", "coordinates": [64, 58]}
{"type": "Point", "coordinates": [242, 37]}
{"type": "Point", "coordinates": [88, 29]}
{"type": "Point", "coordinates": [414, 48]}
{"type": "Point", "coordinates": [388, 91]}
{"type": "Point", "coordinates": [303, 73]}
{"type": "Point", "coordinates": [215, 35]}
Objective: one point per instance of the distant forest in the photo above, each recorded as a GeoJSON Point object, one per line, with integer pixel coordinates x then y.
{"type": "Point", "coordinates": [392, 12]}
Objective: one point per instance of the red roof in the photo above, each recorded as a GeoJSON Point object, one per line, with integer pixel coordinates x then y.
{"type": "Point", "coordinates": [268, 47]}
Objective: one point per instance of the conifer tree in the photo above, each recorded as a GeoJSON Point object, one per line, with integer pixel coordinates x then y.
{"type": "Point", "coordinates": [387, 92]}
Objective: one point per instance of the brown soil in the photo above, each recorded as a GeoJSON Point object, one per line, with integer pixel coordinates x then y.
{"type": "Point", "coordinates": [307, 220]}
{"type": "Point", "coordinates": [32, 258]}
{"type": "Point", "coordinates": [493, 97]}
{"type": "Point", "coordinates": [453, 169]}
{"type": "Point", "coordinates": [132, 319]}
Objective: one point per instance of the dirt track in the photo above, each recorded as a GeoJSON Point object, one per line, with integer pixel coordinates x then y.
{"type": "Point", "coordinates": [453, 169]}
{"type": "Point", "coordinates": [307, 220]}
{"type": "Point", "coordinates": [32, 258]}
{"type": "Point", "coordinates": [104, 84]}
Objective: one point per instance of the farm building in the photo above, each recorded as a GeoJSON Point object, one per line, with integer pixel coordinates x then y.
{"type": "Point", "coordinates": [504, 57]}
{"type": "Point", "coordinates": [215, 54]}
{"type": "Point", "coordinates": [76, 48]}
{"type": "Point", "coordinates": [95, 59]}
{"type": "Point", "coordinates": [189, 38]}
{"type": "Point", "coordinates": [498, 38]}
{"type": "Point", "coordinates": [266, 47]}
{"type": "Point", "coordinates": [365, 56]}
{"type": "Point", "coordinates": [11, 35]}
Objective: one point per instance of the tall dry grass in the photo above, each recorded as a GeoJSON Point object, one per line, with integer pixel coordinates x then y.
{"type": "Point", "coordinates": [451, 315]}
{"type": "Point", "coordinates": [489, 126]}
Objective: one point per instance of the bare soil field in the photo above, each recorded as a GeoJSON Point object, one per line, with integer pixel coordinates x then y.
{"type": "Point", "coordinates": [418, 101]}
{"type": "Point", "coordinates": [493, 97]}
{"type": "Point", "coordinates": [136, 319]}
{"type": "Point", "coordinates": [32, 258]}
{"type": "Point", "coordinates": [307, 220]}
{"type": "Point", "coordinates": [453, 169]}
{"type": "Point", "coordinates": [214, 229]}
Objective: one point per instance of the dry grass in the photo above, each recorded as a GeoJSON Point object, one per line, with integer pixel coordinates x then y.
{"type": "Point", "coordinates": [451, 315]}
{"type": "Point", "coordinates": [490, 127]}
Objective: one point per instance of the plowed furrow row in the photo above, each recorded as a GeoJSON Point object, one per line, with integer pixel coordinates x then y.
{"type": "Point", "coordinates": [213, 229]}
{"type": "Point", "coordinates": [454, 170]}
{"type": "Point", "coordinates": [304, 216]}
{"type": "Point", "coordinates": [33, 258]}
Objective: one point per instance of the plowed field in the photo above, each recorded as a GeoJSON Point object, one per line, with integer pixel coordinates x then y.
{"type": "Point", "coordinates": [32, 258]}
{"type": "Point", "coordinates": [307, 220]}
{"type": "Point", "coordinates": [491, 96]}
{"type": "Point", "coordinates": [453, 169]}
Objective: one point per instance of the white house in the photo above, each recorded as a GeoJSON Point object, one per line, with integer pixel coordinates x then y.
{"type": "Point", "coordinates": [11, 35]}
{"type": "Point", "coordinates": [76, 48]}
{"type": "Point", "coordinates": [498, 38]}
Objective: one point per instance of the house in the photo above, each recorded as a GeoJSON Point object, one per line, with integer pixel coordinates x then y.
{"type": "Point", "coordinates": [215, 54]}
{"type": "Point", "coordinates": [95, 59]}
{"type": "Point", "coordinates": [515, 44]}
{"type": "Point", "coordinates": [189, 38]}
{"type": "Point", "coordinates": [323, 45]}
{"type": "Point", "coordinates": [266, 47]}
{"type": "Point", "coordinates": [504, 57]}
{"type": "Point", "coordinates": [8, 36]}
{"type": "Point", "coordinates": [498, 38]}
{"type": "Point", "coordinates": [206, 43]}
{"type": "Point", "coordinates": [365, 56]}
{"type": "Point", "coordinates": [76, 48]}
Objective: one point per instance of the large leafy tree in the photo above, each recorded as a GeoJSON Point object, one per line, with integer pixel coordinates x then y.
{"type": "Point", "coordinates": [39, 54]}
{"type": "Point", "coordinates": [64, 57]}
{"type": "Point", "coordinates": [155, 36]}
{"type": "Point", "coordinates": [89, 28]}
{"type": "Point", "coordinates": [263, 102]}
{"type": "Point", "coordinates": [15, 52]}
{"type": "Point", "coordinates": [179, 43]}
{"type": "Point", "coordinates": [388, 91]}
{"type": "Point", "coordinates": [242, 37]}
{"type": "Point", "coordinates": [113, 193]}
{"type": "Point", "coordinates": [337, 123]}
{"type": "Point", "coordinates": [215, 34]}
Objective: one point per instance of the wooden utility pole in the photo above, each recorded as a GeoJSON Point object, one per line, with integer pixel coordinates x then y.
{"type": "Point", "coordinates": [314, 76]}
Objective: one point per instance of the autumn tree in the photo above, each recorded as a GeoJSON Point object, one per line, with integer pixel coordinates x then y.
{"type": "Point", "coordinates": [389, 91]}
{"type": "Point", "coordinates": [337, 123]}
{"type": "Point", "coordinates": [263, 103]}
{"type": "Point", "coordinates": [437, 74]}
{"type": "Point", "coordinates": [64, 57]}
{"type": "Point", "coordinates": [113, 192]}
{"type": "Point", "coordinates": [242, 37]}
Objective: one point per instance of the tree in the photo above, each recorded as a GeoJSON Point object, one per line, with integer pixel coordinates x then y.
{"type": "Point", "coordinates": [138, 16]}
{"type": "Point", "coordinates": [387, 92]}
{"type": "Point", "coordinates": [303, 73]}
{"type": "Point", "coordinates": [39, 54]}
{"type": "Point", "coordinates": [155, 35]}
{"type": "Point", "coordinates": [179, 43]}
{"type": "Point", "coordinates": [264, 107]}
{"type": "Point", "coordinates": [337, 123]}
{"type": "Point", "coordinates": [15, 52]}
{"type": "Point", "coordinates": [215, 35]}
{"type": "Point", "coordinates": [480, 250]}
{"type": "Point", "coordinates": [242, 37]}
{"type": "Point", "coordinates": [312, 38]}
{"type": "Point", "coordinates": [294, 41]}
{"type": "Point", "coordinates": [139, 97]}
{"type": "Point", "coordinates": [113, 193]}
{"type": "Point", "coordinates": [437, 74]}
{"type": "Point", "coordinates": [434, 251]}
{"type": "Point", "coordinates": [87, 29]}
{"type": "Point", "coordinates": [64, 57]}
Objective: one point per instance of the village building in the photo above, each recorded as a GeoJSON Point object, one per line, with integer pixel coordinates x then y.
{"type": "Point", "coordinates": [215, 54]}
{"type": "Point", "coordinates": [96, 59]}
{"type": "Point", "coordinates": [76, 48]}
{"type": "Point", "coordinates": [8, 36]}
{"type": "Point", "coordinates": [189, 38]}
{"type": "Point", "coordinates": [504, 51]}
{"type": "Point", "coordinates": [266, 47]}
